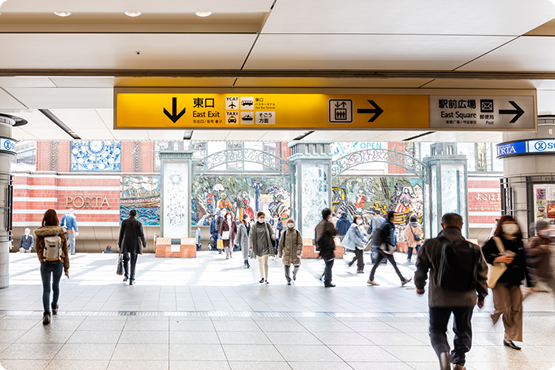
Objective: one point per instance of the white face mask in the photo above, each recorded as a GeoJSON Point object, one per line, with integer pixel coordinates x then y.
{"type": "Point", "coordinates": [261, 219]}
{"type": "Point", "coordinates": [359, 222]}
{"type": "Point", "coordinates": [544, 233]}
{"type": "Point", "coordinates": [291, 225]}
{"type": "Point", "coordinates": [509, 229]}
{"type": "Point", "coordinates": [229, 217]}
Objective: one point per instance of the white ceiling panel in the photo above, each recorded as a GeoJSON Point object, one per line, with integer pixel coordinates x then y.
{"type": "Point", "coordinates": [145, 6]}
{"type": "Point", "coordinates": [119, 51]}
{"type": "Point", "coordinates": [70, 98]}
{"type": "Point", "coordinates": [36, 120]}
{"type": "Point", "coordinates": [546, 101]}
{"type": "Point", "coordinates": [107, 116]}
{"type": "Point", "coordinates": [130, 134]}
{"type": "Point", "coordinates": [325, 135]}
{"type": "Point", "coordinates": [24, 81]}
{"type": "Point", "coordinates": [528, 53]}
{"type": "Point", "coordinates": [49, 134]}
{"type": "Point", "coordinates": [82, 118]}
{"type": "Point", "coordinates": [481, 84]}
{"type": "Point", "coordinates": [83, 81]}
{"type": "Point", "coordinates": [332, 82]}
{"type": "Point", "coordinates": [20, 133]}
{"type": "Point", "coordinates": [387, 52]}
{"type": "Point", "coordinates": [206, 135]}
{"type": "Point", "coordinates": [240, 135]}
{"type": "Point", "coordinates": [471, 17]}
{"type": "Point", "coordinates": [279, 135]}
{"type": "Point", "coordinates": [8, 102]}
{"type": "Point", "coordinates": [174, 81]}
{"type": "Point", "coordinates": [164, 134]}
{"type": "Point", "coordinates": [94, 134]}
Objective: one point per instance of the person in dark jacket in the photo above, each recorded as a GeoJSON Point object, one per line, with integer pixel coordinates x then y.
{"type": "Point", "coordinates": [277, 227]}
{"type": "Point", "coordinates": [356, 241]}
{"type": "Point", "coordinates": [261, 241]}
{"type": "Point", "coordinates": [27, 242]}
{"type": "Point", "coordinates": [342, 225]}
{"type": "Point", "coordinates": [131, 243]}
{"type": "Point", "coordinates": [228, 231]}
{"type": "Point", "coordinates": [507, 295]}
{"type": "Point", "coordinates": [218, 219]}
{"type": "Point", "coordinates": [324, 240]}
{"type": "Point", "coordinates": [373, 230]}
{"type": "Point", "coordinates": [385, 250]}
{"type": "Point", "coordinates": [538, 252]}
{"type": "Point", "coordinates": [443, 302]}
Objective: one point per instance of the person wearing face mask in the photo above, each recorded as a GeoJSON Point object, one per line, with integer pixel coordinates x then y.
{"type": "Point", "coordinates": [277, 226]}
{"type": "Point", "coordinates": [506, 247]}
{"type": "Point", "coordinates": [324, 235]}
{"type": "Point", "coordinates": [355, 240]}
{"type": "Point", "coordinates": [290, 248]}
{"type": "Point", "coordinates": [538, 253]}
{"type": "Point", "coordinates": [242, 239]}
{"type": "Point", "coordinates": [261, 241]}
{"type": "Point", "coordinates": [228, 231]}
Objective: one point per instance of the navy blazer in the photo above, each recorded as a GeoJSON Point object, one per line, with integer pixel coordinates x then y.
{"type": "Point", "coordinates": [131, 237]}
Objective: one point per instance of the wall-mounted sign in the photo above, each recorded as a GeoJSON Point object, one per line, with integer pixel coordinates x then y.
{"type": "Point", "coordinates": [7, 145]}
{"type": "Point", "coordinates": [526, 147]}
{"type": "Point", "coordinates": [87, 202]}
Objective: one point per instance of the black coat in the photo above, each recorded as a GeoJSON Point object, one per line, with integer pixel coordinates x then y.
{"type": "Point", "coordinates": [131, 237]}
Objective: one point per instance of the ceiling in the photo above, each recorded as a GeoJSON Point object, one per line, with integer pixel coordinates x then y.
{"type": "Point", "coordinates": [70, 65]}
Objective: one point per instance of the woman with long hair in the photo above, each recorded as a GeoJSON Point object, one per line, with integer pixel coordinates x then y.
{"type": "Point", "coordinates": [242, 239]}
{"type": "Point", "coordinates": [228, 230]}
{"type": "Point", "coordinates": [355, 240]}
{"type": "Point", "coordinates": [53, 256]}
{"type": "Point", "coordinates": [506, 247]}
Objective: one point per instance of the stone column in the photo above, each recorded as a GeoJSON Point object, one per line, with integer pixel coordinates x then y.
{"type": "Point", "coordinates": [523, 174]}
{"type": "Point", "coordinates": [7, 150]}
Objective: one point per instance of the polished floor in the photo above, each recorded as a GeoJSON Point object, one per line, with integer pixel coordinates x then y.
{"type": "Point", "coordinates": [209, 313]}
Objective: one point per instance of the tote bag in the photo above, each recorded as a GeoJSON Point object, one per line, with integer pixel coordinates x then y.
{"type": "Point", "coordinates": [495, 271]}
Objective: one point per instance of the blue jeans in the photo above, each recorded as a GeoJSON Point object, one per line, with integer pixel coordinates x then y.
{"type": "Point", "coordinates": [50, 272]}
{"type": "Point", "coordinates": [70, 243]}
{"type": "Point", "coordinates": [409, 253]}
{"type": "Point", "coordinates": [374, 253]}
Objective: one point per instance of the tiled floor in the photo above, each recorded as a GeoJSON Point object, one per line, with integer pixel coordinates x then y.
{"type": "Point", "coordinates": [210, 313]}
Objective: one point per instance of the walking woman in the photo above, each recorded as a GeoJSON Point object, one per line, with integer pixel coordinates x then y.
{"type": "Point", "coordinates": [51, 247]}
{"type": "Point", "coordinates": [538, 253]}
{"type": "Point", "coordinates": [262, 240]}
{"type": "Point", "coordinates": [506, 247]}
{"type": "Point", "coordinates": [242, 239]}
{"type": "Point", "coordinates": [291, 248]}
{"type": "Point", "coordinates": [387, 245]}
{"type": "Point", "coordinates": [413, 236]}
{"type": "Point", "coordinates": [356, 241]}
{"type": "Point", "coordinates": [228, 230]}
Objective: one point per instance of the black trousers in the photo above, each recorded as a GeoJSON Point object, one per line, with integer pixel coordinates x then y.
{"type": "Point", "coordinates": [327, 270]}
{"type": "Point", "coordinates": [359, 257]}
{"type": "Point", "coordinates": [462, 327]}
{"type": "Point", "coordinates": [126, 257]}
{"type": "Point", "coordinates": [389, 257]}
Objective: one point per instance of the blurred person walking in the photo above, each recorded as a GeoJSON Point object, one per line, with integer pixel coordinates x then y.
{"type": "Point", "coordinates": [131, 243]}
{"type": "Point", "coordinates": [325, 244]}
{"type": "Point", "coordinates": [277, 227]}
{"type": "Point", "coordinates": [374, 229]}
{"type": "Point", "coordinates": [355, 240]}
{"type": "Point", "coordinates": [290, 249]}
{"type": "Point", "coordinates": [261, 239]}
{"type": "Point", "coordinates": [242, 239]}
{"type": "Point", "coordinates": [413, 236]}
{"type": "Point", "coordinates": [27, 242]}
{"type": "Point", "coordinates": [386, 248]}
{"type": "Point", "coordinates": [69, 223]}
{"type": "Point", "coordinates": [538, 254]}
{"type": "Point", "coordinates": [52, 252]}
{"type": "Point", "coordinates": [228, 231]}
{"type": "Point", "coordinates": [458, 280]}
{"type": "Point", "coordinates": [505, 251]}
{"type": "Point", "coordinates": [342, 226]}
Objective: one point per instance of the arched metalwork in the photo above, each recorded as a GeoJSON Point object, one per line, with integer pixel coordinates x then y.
{"type": "Point", "coordinates": [380, 155]}
{"type": "Point", "coordinates": [271, 163]}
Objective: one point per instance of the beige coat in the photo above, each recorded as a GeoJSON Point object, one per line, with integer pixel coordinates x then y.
{"type": "Point", "coordinates": [290, 246]}
{"type": "Point", "coordinates": [411, 229]}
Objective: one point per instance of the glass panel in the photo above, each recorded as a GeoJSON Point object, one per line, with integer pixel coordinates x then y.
{"type": "Point", "coordinates": [481, 157]}
{"type": "Point", "coordinates": [544, 209]}
{"type": "Point", "coordinates": [434, 191]}
{"type": "Point", "coordinates": [314, 195]}
{"type": "Point", "coordinates": [26, 157]}
{"type": "Point", "coordinates": [468, 149]}
{"type": "Point", "coordinates": [450, 188]}
{"type": "Point", "coordinates": [250, 166]}
{"type": "Point", "coordinates": [175, 193]}
{"type": "Point", "coordinates": [214, 147]}
{"type": "Point", "coordinates": [235, 166]}
{"type": "Point", "coordinates": [427, 221]}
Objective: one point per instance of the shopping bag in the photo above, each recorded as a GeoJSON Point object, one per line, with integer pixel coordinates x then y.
{"type": "Point", "coordinates": [119, 270]}
{"type": "Point", "coordinates": [225, 235]}
{"type": "Point", "coordinates": [220, 244]}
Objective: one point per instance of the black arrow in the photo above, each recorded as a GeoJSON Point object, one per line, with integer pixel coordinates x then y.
{"type": "Point", "coordinates": [518, 112]}
{"type": "Point", "coordinates": [377, 110]}
{"type": "Point", "coordinates": [174, 116]}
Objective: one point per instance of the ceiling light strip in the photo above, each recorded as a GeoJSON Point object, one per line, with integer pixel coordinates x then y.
{"type": "Point", "coordinates": [302, 136]}
{"type": "Point", "coordinates": [417, 136]}
{"type": "Point", "coordinates": [51, 116]}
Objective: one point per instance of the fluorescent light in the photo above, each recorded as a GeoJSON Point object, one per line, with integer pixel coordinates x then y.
{"type": "Point", "coordinates": [62, 14]}
{"type": "Point", "coordinates": [58, 122]}
{"type": "Point", "coordinates": [187, 135]}
{"type": "Point", "coordinates": [302, 136]}
{"type": "Point", "coordinates": [203, 14]}
{"type": "Point", "coordinates": [133, 14]}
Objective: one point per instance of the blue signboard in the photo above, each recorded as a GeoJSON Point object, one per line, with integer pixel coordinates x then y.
{"type": "Point", "coordinates": [508, 149]}
{"type": "Point", "coordinates": [526, 147]}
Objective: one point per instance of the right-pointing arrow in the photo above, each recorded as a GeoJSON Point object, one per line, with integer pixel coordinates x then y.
{"type": "Point", "coordinates": [377, 110]}
{"type": "Point", "coordinates": [518, 112]}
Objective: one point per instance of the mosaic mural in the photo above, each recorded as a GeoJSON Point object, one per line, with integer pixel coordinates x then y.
{"type": "Point", "coordinates": [143, 194]}
{"type": "Point", "coordinates": [362, 195]}
{"type": "Point", "coordinates": [88, 156]}
{"type": "Point", "coordinates": [239, 195]}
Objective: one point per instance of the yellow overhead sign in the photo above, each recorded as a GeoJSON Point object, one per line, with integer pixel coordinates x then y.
{"type": "Point", "coordinates": [270, 111]}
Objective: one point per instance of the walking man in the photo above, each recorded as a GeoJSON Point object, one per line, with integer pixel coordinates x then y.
{"type": "Point", "coordinates": [131, 243]}
{"type": "Point", "coordinates": [27, 242]}
{"type": "Point", "coordinates": [375, 226]}
{"type": "Point", "coordinates": [69, 222]}
{"type": "Point", "coordinates": [458, 279]}
{"type": "Point", "coordinates": [324, 234]}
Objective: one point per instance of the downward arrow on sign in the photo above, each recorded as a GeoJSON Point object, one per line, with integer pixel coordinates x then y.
{"type": "Point", "coordinates": [174, 116]}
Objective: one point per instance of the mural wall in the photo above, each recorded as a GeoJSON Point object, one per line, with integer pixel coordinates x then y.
{"type": "Point", "coordinates": [362, 195]}
{"type": "Point", "coordinates": [239, 195]}
{"type": "Point", "coordinates": [143, 194]}
{"type": "Point", "coordinates": [104, 156]}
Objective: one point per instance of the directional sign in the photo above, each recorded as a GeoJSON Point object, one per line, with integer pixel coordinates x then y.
{"type": "Point", "coordinates": [174, 116]}
{"type": "Point", "coordinates": [482, 112]}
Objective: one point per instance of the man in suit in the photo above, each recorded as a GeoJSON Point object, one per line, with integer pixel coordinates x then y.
{"type": "Point", "coordinates": [131, 243]}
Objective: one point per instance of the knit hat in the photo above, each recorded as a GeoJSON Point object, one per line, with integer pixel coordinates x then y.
{"type": "Point", "coordinates": [540, 225]}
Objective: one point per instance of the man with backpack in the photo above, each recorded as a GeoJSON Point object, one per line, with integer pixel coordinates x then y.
{"type": "Point", "coordinates": [458, 279]}
{"type": "Point", "coordinates": [374, 231]}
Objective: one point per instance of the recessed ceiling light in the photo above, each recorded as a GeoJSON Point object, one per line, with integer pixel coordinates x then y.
{"type": "Point", "coordinates": [133, 14]}
{"type": "Point", "coordinates": [62, 14]}
{"type": "Point", "coordinates": [203, 14]}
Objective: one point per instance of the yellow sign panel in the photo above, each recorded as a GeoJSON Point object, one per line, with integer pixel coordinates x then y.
{"type": "Point", "coordinates": [271, 111]}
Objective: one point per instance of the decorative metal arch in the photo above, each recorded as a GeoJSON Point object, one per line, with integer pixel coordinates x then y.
{"type": "Point", "coordinates": [269, 161]}
{"type": "Point", "coordinates": [380, 155]}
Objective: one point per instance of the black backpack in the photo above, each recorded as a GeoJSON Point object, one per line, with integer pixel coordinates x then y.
{"type": "Point", "coordinates": [458, 265]}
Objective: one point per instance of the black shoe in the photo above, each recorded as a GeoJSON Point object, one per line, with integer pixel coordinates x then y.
{"type": "Point", "coordinates": [131, 281]}
{"type": "Point", "coordinates": [54, 310]}
{"type": "Point", "coordinates": [266, 281]}
{"type": "Point", "coordinates": [360, 271]}
{"type": "Point", "coordinates": [350, 263]}
{"type": "Point", "coordinates": [445, 361]}
{"type": "Point", "coordinates": [46, 318]}
{"type": "Point", "coordinates": [261, 281]}
{"type": "Point", "coordinates": [329, 285]}
{"type": "Point", "coordinates": [288, 283]}
{"type": "Point", "coordinates": [125, 278]}
{"type": "Point", "coordinates": [510, 344]}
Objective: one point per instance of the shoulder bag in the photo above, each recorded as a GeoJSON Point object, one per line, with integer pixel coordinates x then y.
{"type": "Point", "coordinates": [495, 271]}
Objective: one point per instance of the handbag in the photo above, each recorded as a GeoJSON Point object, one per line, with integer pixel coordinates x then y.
{"type": "Point", "coordinates": [495, 271]}
{"type": "Point", "coordinates": [119, 270]}
{"type": "Point", "coordinates": [416, 237]}
{"type": "Point", "coordinates": [225, 235]}
{"type": "Point", "coordinates": [220, 244]}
